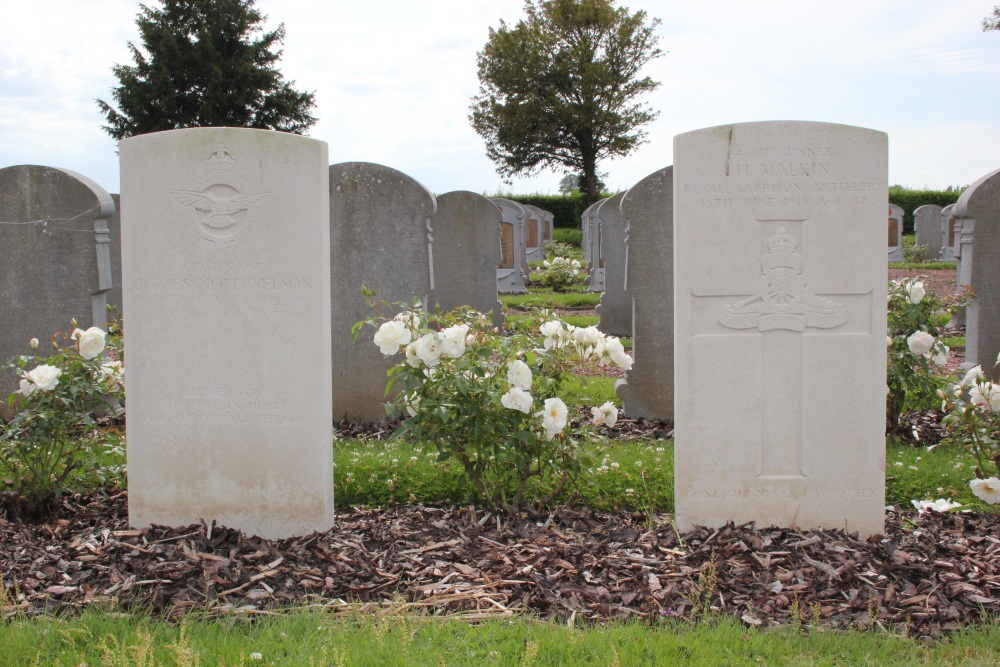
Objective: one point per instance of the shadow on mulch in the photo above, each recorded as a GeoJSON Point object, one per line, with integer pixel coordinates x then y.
{"type": "Point", "coordinates": [929, 573]}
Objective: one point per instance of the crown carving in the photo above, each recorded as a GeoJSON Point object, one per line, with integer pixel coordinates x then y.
{"type": "Point", "coordinates": [221, 159]}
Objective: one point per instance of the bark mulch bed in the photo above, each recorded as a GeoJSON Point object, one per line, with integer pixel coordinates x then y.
{"type": "Point", "coordinates": [928, 575]}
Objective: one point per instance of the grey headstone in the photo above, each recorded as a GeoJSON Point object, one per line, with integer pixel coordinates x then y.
{"type": "Point", "coordinates": [949, 235]}
{"type": "Point", "coordinates": [648, 389]}
{"type": "Point", "coordinates": [547, 220]}
{"type": "Point", "coordinates": [533, 234]}
{"type": "Point", "coordinates": [965, 254]}
{"type": "Point", "coordinates": [512, 268]}
{"type": "Point", "coordinates": [466, 252]}
{"type": "Point", "coordinates": [981, 202]}
{"type": "Point", "coordinates": [380, 237]}
{"type": "Point", "coordinates": [54, 257]}
{"type": "Point", "coordinates": [895, 234]}
{"type": "Point", "coordinates": [927, 225]}
{"type": "Point", "coordinates": [115, 234]}
{"type": "Point", "coordinates": [615, 308]}
{"type": "Point", "coordinates": [592, 251]}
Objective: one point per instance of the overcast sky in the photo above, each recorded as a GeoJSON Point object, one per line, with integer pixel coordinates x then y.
{"type": "Point", "coordinates": [393, 79]}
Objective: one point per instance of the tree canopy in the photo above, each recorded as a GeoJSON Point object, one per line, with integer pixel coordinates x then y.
{"type": "Point", "coordinates": [992, 22]}
{"type": "Point", "coordinates": [205, 63]}
{"type": "Point", "coordinates": [561, 88]}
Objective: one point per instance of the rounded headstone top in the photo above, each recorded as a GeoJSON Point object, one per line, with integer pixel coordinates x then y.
{"type": "Point", "coordinates": [36, 182]}
{"type": "Point", "coordinates": [985, 185]}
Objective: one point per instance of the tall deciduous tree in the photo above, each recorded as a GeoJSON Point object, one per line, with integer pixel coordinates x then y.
{"type": "Point", "coordinates": [561, 88]}
{"type": "Point", "coordinates": [992, 22]}
{"type": "Point", "coordinates": [205, 63]}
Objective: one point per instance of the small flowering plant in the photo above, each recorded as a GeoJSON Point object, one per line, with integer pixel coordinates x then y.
{"type": "Point", "coordinates": [973, 406]}
{"type": "Point", "coordinates": [561, 272]}
{"type": "Point", "coordinates": [57, 400]}
{"type": "Point", "coordinates": [913, 347]}
{"type": "Point", "coordinates": [491, 402]}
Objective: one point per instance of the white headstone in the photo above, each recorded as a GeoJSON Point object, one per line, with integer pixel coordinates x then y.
{"type": "Point", "coordinates": [512, 268]}
{"type": "Point", "coordinates": [226, 272]}
{"type": "Point", "coordinates": [927, 225]}
{"type": "Point", "coordinates": [895, 229]}
{"type": "Point", "coordinates": [780, 347]}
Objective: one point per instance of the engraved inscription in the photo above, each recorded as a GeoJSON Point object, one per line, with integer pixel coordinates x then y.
{"type": "Point", "coordinates": [225, 405]}
{"type": "Point", "coordinates": [506, 246]}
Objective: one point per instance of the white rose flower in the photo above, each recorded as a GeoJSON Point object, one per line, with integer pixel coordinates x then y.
{"type": "Point", "coordinates": [940, 357]}
{"type": "Point", "coordinates": [412, 402]}
{"type": "Point", "coordinates": [554, 417]}
{"type": "Point", "coordinates": [410, 319]}
{"type": "Point", "coordinates": [575, 264]}
{"type": "Point", "coordinates": [517, 399]}
{"type": "Point", "coordinates": [453, 340]}
{"type": "Point", "coordinates": [411, 355]}
{"type": "Point", "coordinates": [391, 336]}
{"type": "Point", "coordinates": [915, 292]}
{"type": "Point", "coordinates": [27, 387]}
{"type": "Point", "coordinates": [987, 490]}
{"type": "Point", "coordinates": [920, 342]}
{"type": "Point", "coordinates": [44, 377]}
{"type": "Point", "coordinates": [33, 343]}
{"type": "Point", "coordinates": [607, 415]}
{"type": "Point", "coordinates": [985, 393]}
{"type": "Point", "coordinates": [428, 349]}
{"type": "Point", "coordinates": [90, 342]}
{"type": "Point", "coordinates": [939, 505]}
{"type": "Point", "coordinates": [551, 328]}
{"type": "Point", "coordinates": [888, 341]}
{"type": "Point", "coordinates": [76, 332]}
{"type": "Point", "coordinates": [972, 376]}
{"type": "Point", "coordinates": [519, 374]}
{"type": "Point", "coordinates": [615, 353]}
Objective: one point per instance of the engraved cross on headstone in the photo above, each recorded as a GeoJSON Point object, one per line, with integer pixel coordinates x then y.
{"type": "Point", "coordinates": [782, 311]}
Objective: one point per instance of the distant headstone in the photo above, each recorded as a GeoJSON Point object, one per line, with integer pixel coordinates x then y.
{"type": "Point", "coordinates": [547, 221]}
{"type": "Point", "coordinates": [981, 202]}
{"type": "Point", "coordinates": [533, 250]}
{"type": "Point", "coordinates": [114, 296]}
{"type": "Point", "coordinates": [380, 237]}
{"type": "Point", "coordinates": [595, 266]}
{"type": "Point", "coordinates": [585, 226]}
{"type": "Point", "coordinates": [648, 210]}
{"type": "Point", "coordinates": [615, 308]}
{"type": "Point", "coordinates": [964, 251]}
{"type": "Point", "coordinates": [466, 251]}
{"type": "Point", "coordinates": [512, 269]}
{"type": "Point", "coordinates": [780, 348]}
{"type": "Point", "coordinates": [949, 235]}
{"type": "Point", "coordinates": [225, 261]}
{"type": "Point", "coordinates": [927, 225]}
{"type": "Point", "coordinates": [895, 229]}
{"type": "Point", "coordinates": [54, 258]}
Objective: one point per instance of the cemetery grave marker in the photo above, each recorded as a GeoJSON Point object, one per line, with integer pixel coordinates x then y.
{"type": "Point", "coordinates": [927, 225]}
{"type": "Point", "coordinates": [615, 308]}
{"type": "Point", "coordinates": [226, 269]}
{"type": "Point", "coordinates": [780, 302]}
{"type": "Point", "coordinates": [512, 270]}
{"type": "Point", "coordinates": [896, 253]}
{"type": "Point", "coordinates": [949, 248]}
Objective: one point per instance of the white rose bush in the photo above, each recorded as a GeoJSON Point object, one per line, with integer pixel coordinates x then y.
{"type": "Point", "coordinates": [973, 406]}
{"type": "Point", "coordinates": [560, 273]}
{"type": "Point", "coordinates": [43, 451]}
{"type": "Point", "coordinates": [490, 401]}
{"type": "Point", "coordinates": [914, 349]}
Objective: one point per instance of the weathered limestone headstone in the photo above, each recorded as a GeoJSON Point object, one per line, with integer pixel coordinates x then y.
{"type": "Point", "coordinates": [54, 259]}
{"type": "Point", "coordinates": [585, 220]}
{"type": "Point", "coordinates": [615, 308]}
{"type": "Point", "coordinates": [225, 261]}
{"type": "Point", "coordinates": [949, 235]}
{"type": "Point", "coordinates": [533, 249]}
{"type": "Point", "coordinates": [895, 229]}
{"type": "Point", "coordinates": [964, 250]}
{"type": "Point", "coordinates": [648, 209]}
{"type": "Point", "coordinates": [592, 253]}
{"type": "Point", "coordinates": [780, 303]}
{"type": "Point", "coordinates": [512, 269]}
{"type": "Point", "coordinates": [927, 225]}
{"type": "Point", "coordinates": [981, 202]}
{"type": "Point", "coordinates": [466, 251]}
{"type": "Point", "coordinates": [380, 224]}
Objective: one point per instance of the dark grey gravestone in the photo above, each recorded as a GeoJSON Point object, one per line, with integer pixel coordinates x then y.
{"type": "Point", "coordinates": [648, 389]}
{"type": "Point", "coordinates": [981, 202]}
{"type": "Point", "coordinates": [115, 236]}
{"type": "Point", "coordinates": [895, 231]}
{"type": "Point", "coordinates": [380, 224]}
{"type": "Point", "coordinates": [466, 252]}
{"type": "Point", "coordinates": [927, 225]}
{"type": "Point", "coordinates": [512, 268]}
{"type": "Point", "coordinates": [54, 258]}
{"type": "Point", "coordinates": [949, 237]}
{"type": "Point", "coordinates": [615, 308]}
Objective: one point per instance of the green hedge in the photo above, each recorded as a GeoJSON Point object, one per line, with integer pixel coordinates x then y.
{"type": "Point", "coordinates": [566, 210]}
{"type": "Point", "coordinates": [911, 200]}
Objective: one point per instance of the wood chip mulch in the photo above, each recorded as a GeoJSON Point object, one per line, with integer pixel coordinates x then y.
{"type": "Point", "coordinates": [930, 573]}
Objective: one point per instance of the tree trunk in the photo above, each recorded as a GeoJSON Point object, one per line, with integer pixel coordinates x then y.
{"type": "Point", "coordinates": [590, 190]}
